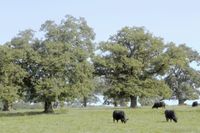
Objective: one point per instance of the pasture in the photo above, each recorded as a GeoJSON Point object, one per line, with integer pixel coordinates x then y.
{"type": "Point", "coordinates": [99, 120]}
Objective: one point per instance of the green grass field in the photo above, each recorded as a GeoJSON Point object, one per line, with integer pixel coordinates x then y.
{"type": "Point", "coordinates": [99, 120]}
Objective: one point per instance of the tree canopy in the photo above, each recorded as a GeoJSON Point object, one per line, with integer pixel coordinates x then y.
{"type": "Point", "coordinates": [11, 76]}
{"type": "Point", "coordinates": [58, 65]}
{"type": "Point", "coordinates": [131, 61]}
{"type": "Point", "coordinates": [181, 77]}
{"type": "Point", "coordinates": [63, 65]}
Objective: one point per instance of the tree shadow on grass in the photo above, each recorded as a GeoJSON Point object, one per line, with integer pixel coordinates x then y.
{"type": "Point", "coordinates": [28, 113]}
{"type": "Point", "coordinates": [31, 113]}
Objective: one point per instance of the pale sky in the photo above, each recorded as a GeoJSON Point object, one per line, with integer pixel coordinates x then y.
{"type": "Point", "coordinates": [173, 20]}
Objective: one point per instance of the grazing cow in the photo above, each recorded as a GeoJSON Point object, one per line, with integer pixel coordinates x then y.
{"type": "Point", "coordinates": [194, 104]}
{"type": "Point", "coordinates": [158, 104]}
{"type": "Point", "coordinates": [119, 115]}
{"type": "Point", "coordinates": [170, 115]}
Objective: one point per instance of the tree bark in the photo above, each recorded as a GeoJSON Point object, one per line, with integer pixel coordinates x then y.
{"type": "Point", "coordinates": [48, 108]}
{"type": "Point", "coordinates": [85, 101]}
{"type": "Point", "coordinates": [115, 102]}
{"type": "Point", "coordinates": [6, 105]}
{"type": "Point", "coordinates": [181, 98]}
{"type": "Point", "coordinates": [122, 102]}
{"type": "Point", "coordinates": [181, 101]}
{"type": "Point", "coordinates": [133, 101]}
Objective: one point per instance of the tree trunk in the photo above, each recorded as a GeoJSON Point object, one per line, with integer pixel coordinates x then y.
{"type": "Point", "coordinates": [133, 101]}
{"type": "Point", "coordinates": [85, 101]}
{"type": "Point", "coordinates": [122, 102]}
{"type": "Point", "coordinates": [48, 108]}
{"type": "Point", "coordinates": [6, 105]}
{"type": "Point", "coordinates": [181, 101]}
{"type": "Point", "coordinates": [115, 102]}
{"type": "Point", "coordinates": [181, 98]}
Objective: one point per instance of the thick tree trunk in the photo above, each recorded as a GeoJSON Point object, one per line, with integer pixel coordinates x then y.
{"type": "Point", "coordinates": [122, 102]}
{"type": "Point", "coordinates": [48, 108]}
{"type": "Point", "coordinates": [6, 105]}
{"type": "Point", "coordinates": [181, 101]}
{"type": "Point", "coordinates": [115, 102]}
{"type": "Point", "coordinates": [133, 101]}
{"type": "Point", "coordinates": [85, 101]}
{"type": "Point", "coordinates": [181, 98]}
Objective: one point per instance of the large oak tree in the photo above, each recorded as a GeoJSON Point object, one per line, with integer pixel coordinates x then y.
{"type": "Point", "coordinates": [182, 78]}
{"type": "Point", "coordinates": [131, 62]}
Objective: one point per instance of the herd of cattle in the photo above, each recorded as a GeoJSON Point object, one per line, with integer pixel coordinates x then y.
{"type": "Point", "coordinates": [169, 114]}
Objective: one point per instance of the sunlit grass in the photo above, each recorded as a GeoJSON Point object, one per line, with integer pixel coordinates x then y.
{"type": "Point", "coordinates": [99, 120]}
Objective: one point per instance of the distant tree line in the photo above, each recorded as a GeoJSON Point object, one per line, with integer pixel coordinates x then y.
{"type": "Point", "coordinates": [66, 64]}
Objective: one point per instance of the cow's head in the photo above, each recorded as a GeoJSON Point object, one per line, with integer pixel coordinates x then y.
{"type": "Point", "coordinates": [175, 119]}
{"type": "Point", "coordinates": [125, 120]}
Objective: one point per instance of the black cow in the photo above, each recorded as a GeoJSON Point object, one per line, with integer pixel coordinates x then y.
{"type": "Point", "coordinates": [158, 105]}
{"type": "Point", "coordinates": [119, 115]}
{"type": "Point", "coordinates": [170, 115]}
{"type": "Point", "coordinates": [194, 104]}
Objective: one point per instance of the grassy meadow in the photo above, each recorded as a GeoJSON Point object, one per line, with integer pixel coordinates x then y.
{"type": "Point", "coordinates": [99, 120]}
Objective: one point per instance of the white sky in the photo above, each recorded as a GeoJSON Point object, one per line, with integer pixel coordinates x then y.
{"type": "Point", "coordinates": [173, 20]}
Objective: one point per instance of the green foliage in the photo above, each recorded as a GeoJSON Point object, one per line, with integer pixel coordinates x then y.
{"type": "Point", "coordinates": [181, 77]}
{"type": "Point", "coordinates": [49, 89]}
{"type": "Point", "coordinates": [82, 78]}
{"type": "Point", "coordinates": [76, 37]}
{"type": "Point", "coordinates": [130, 61]}
{"type": "Point", "coordinates": [58, 67]}
{"type": "Point", "coordinates": [62, 66]}
{"type": "Point", "coordinates": [11, 75]}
